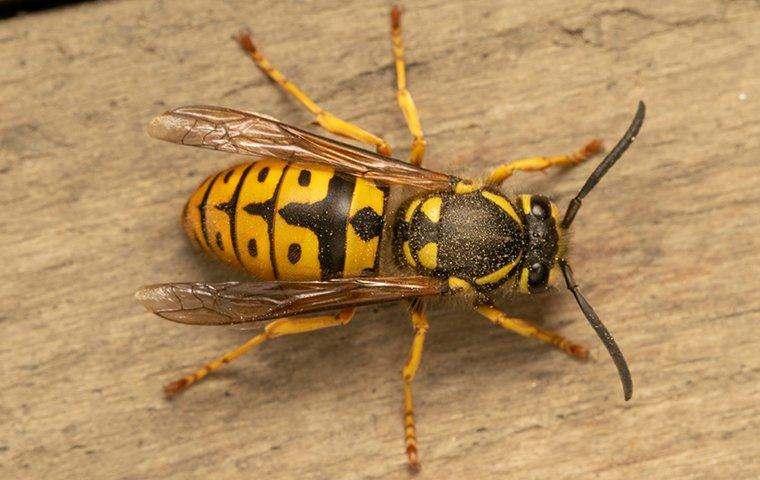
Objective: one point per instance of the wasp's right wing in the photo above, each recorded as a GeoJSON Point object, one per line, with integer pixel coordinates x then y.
{"type": "Point", "coordinates": [235, 302]}
{"type": "Point", "coordinates": [249, 133]}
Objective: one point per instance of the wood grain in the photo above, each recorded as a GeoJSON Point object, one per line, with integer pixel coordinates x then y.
{"type": "Point", "coordinates": [666, 248]}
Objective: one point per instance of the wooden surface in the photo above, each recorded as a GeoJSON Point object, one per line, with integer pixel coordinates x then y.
{"type": "Point", "coordinates": [666, 248]}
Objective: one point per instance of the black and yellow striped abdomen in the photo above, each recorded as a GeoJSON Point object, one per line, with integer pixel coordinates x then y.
{"type": "Point", "coordinates": [288, 221]}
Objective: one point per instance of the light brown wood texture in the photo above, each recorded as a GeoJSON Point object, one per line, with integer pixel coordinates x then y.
{"type": "Point", "coordinates": [666, 248]}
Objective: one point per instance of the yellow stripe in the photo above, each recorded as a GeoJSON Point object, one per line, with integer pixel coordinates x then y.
{"type": "Point", "coordinates": [289, 237]}
{"type": "Point", "coordinates": [252, 231]}
{"type": "Point", "coordinates": [498, 274]}
{"type": "Point", "coordinates": [361, 255]}
{"type": "Point", "coordinates": [218, 221]}
{"type": "Point", "coordinates": [504, 204]}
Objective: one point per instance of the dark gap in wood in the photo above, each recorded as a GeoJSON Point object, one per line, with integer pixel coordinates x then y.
{"type": "Point", "coordinates": [12, 8]}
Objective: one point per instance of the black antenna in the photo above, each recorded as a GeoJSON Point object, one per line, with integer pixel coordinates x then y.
{"type": "Point", "coordinates": [607, 163]}
{"type": "Point", "coordinates": [600, 329]}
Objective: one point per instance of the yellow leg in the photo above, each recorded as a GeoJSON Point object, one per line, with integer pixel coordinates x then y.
{"type": "Point", "coordinates": [403, 96]}
{"type": "Point", "coordinates": [325, 119]}
{"type": "Point", "coordinates": [420, 323]}
{"type": "Point", "coordinates": [527, 329]}
{"type": "Point", "coordinates": [277, 328]}
{"type": "Point", "coordinates": [540, 163]}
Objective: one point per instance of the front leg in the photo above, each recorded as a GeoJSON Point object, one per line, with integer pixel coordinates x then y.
{"type": "Point", "coordinates": [533, 164]}
{"type": "Point", "coordinates": [527, 329]}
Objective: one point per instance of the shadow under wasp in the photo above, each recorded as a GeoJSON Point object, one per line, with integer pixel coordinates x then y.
{"type": "Point", "coordinates": [312, 219]}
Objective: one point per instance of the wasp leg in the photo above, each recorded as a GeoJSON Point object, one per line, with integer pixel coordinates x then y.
{"type": "Point", "coordinates": [534, 164]}
{"type": "Point", "coordinates": [404, 98]}
{"type": "Point", "coordinates": [420, 324]}
{"type": "Point", "coordinates": [325, 119]}
{"type": "Point", "coordinates": [527, 329]}
{"type": "Point", "coordinates": [277, 328]}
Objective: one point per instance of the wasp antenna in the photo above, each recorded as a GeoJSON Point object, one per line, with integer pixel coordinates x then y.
{"type": "Point", "coordinates": [601, 330]}
{"type": "Point", "coordinates": [607, 163]}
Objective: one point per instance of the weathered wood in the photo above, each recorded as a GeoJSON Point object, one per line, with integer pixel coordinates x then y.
{"type": "Point", "coordinates": [666, 248]}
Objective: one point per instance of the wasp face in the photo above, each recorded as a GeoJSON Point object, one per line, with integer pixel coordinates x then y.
{"type": "Point", "coordinates": [542, 243]}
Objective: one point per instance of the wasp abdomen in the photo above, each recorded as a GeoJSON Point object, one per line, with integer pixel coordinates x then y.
{"type": "Point", "coordinates": [288, 221]}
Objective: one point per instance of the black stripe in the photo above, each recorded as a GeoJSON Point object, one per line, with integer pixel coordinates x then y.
{"type": "Point", "coordinates": [270, 232]}
{"type": "Point", "coordinates": [386, 191]}
{"type": "Point", "coordinates": [230, 208]}
{"type": "Point", "coordinates": [265, 210]}
{"type": "Point", "coordinates": [328, 219]}
{"type": "Point", "coordinates": [202, 210]}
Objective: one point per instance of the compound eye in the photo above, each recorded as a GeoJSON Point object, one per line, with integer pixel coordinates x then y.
{"type": "Point", "coordinates": [539, 209]}
{"type": "Point", "coordinates": [537, 274]}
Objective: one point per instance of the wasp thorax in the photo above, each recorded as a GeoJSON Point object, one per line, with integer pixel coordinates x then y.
{"type": "Point", "coordinates": [473, 239]}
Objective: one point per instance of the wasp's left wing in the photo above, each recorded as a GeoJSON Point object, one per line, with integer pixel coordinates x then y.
{"type": "Point", "coordinates": [235, 302]}
{"type": "Point", "coordinates": [249, 133]}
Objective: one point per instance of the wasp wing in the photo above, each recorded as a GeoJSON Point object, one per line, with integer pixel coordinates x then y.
{"type": "Point", "coordinates": [245, 302]}
{"type": "Point", "coordinates": [249, 133]}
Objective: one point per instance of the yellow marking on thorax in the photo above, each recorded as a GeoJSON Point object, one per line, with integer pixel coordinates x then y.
{"type": "Point", "coordinates": [289, 238]}
{"type": "Point", "coordinates": [504, 204]}
{"type": "Point", "coordinates": [408, 254]}
{"type": "Point", "coordinates": [411, 209]}
{"type": "Point", "coordinates": [499, 274]}
{"type": "Point", "coordinates": [252, 231]}
{"type": "Point", "coordinates": [361, 255]}
{"type": "Point", "coordinates": [459, 285]}
{"type": "Point", "coordinates": [464, 186]}
{"type": "Point", "coordinates": [432, 208]}
{"type": "Point", "coordinates": [428, 255]}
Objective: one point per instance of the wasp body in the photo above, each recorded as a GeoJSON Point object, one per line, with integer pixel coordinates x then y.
{"type": "Point", "coordinates": [322, 226]}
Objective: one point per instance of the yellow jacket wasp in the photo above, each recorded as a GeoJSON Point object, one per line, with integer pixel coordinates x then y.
{"type": "Point", "coordinates": [320, 224]}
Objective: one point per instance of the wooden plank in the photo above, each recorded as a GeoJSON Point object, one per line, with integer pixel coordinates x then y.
{"type": "Point", "coordinates": [665, 248]}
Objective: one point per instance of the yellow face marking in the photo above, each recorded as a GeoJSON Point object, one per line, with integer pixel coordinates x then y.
{"type": "Point", "coordinates": [464, 186]}
{"type": "Point", "coordinates": [504, 204]}
{"type": "Point", "coordinates": [555, 212]}
{"type": "Point", "coordinates": [498, 274]}
{"type": "Point", "coordinates": [428, 255]}
{"type": "Point", "coordinates": [525, 200]}
{"type": "Point", "coordinates": [459, 285]}
{"type": "Point", "coordinates": [432, 208]}
{"type": "Point", "coordinates": [523, 285]}
{"type": "Point", "coordinates": [408, 254]}
{"type": "Point", "coordinates": [361, 255]}
{"type": "Point", "coordinates": [411, 209]}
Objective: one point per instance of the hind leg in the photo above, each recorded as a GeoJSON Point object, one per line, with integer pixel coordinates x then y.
{"type": "Point", "coordinates": [277, 328]}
